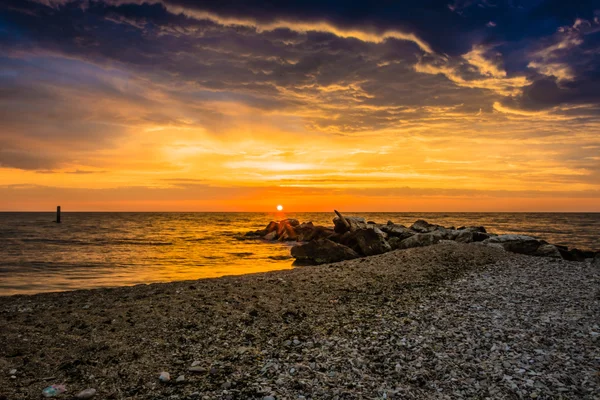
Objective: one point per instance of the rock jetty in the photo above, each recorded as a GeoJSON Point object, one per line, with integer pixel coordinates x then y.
{"type": "Point", "coordinates": [353, 237]}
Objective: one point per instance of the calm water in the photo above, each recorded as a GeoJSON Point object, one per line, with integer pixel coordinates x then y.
{"type": "Point", "coordinates": [91, 250]}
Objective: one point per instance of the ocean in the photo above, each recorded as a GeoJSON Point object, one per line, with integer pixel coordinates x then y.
{"type": "Point", "coordinates": [92, 250]}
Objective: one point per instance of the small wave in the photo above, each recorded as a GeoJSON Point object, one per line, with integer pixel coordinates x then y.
{"type": "Point", "coordinates": [101, 242]}
{"type": "Point", "coordinates": [202, 239]}
{"type": "Point", "coordinates": [242, 254]}
{"type": "Point", "coordinates": [279, 258]}
{"type": "Point", "coordinates": [139, 243]}
{"type": "Point", "coordinates": [55, 241]}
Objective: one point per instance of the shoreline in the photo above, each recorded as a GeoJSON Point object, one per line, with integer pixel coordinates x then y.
{"type": "Point", "coordinates": [318, 332]}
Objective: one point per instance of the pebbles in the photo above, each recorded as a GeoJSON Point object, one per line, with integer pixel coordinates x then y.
{"type": "Point", "coordinates": [86, 394]}
{"type": "Point", "coordinates": [390, 326]}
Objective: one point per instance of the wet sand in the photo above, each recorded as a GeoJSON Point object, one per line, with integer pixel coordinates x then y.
{"type": "Point", "coordinates": [431, 322]}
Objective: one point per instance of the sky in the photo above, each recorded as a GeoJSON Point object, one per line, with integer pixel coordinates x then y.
{"type": "Point", "coordinates": [241, 105]}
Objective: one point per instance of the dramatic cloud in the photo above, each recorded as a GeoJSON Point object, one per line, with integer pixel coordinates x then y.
{"type": "Point", "coordinates": [483, 97]}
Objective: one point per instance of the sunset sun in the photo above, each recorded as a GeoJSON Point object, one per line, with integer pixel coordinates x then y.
{"type": "Point", "coordinates": [280, 208]}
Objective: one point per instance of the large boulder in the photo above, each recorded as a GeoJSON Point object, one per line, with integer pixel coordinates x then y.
{"type": "Point", "coordinates": [378, 231]}
{"type": "Point", "coordinates": [420, 240]}
{"type": "Point", "coordinates": [367, 242]}
{"type": "Point", "coordinates": [398, 231]}
{"type": "Point", "coordinates": [286, 231]}
{"type": "Point", "coordinates": [468, 236]}
{"type": "Point", "coordinates": [289, 233]}
{"type": "Point", "coordinates": [394, 242]}
{"type": "Point", "coordinates": [270, 236]}
{"type": "Point", "coordinates": [515, 243]}
{"type": "Point", "coordinates": [354, 222]}
{"type": "Point", "coordinates": [305, 231]}
{"type": "Point", "coordinates": [523, 244]}
{"type": "Point", "coordinates": [307, 234]}
{"type": "Point", "coordinates": [473, 229]}
{"type": "Point", "coordinates": [581, 255]}
{"type": "Point", "coordinates": [548, 250]}
{"type": "Point", "coordinates": [322, 251]}
{"type": "Point", "coordinates": [272, 227]}
{"type": "Point", "coordinates": [531, 246]}
{"type": "Point", "coordinates": [565, 253]}
{"type": "Point", "coordinates": [423, 226]}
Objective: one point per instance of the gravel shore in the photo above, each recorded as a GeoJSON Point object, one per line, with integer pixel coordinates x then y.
{"type": "Point", "coordinates": [445, 321]}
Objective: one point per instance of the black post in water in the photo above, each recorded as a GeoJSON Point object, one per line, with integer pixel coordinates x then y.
{"type": "Point", "coordinates": [58, 214]}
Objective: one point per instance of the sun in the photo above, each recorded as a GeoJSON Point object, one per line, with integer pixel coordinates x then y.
{"type": "Point", "coordinates": [280, 208]}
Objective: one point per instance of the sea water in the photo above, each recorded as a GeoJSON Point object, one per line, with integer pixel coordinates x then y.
{"type": "Point", "coordinates": [91, 250]}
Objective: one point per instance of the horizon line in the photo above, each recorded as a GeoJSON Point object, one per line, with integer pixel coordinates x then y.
{"type": "Point", "coordinates": [299, 212]}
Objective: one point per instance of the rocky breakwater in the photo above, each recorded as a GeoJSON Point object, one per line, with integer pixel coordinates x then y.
{"type": "Point", "coordinates": [354, 237]}
{"type": "Point", "coordinates": [292, 230]}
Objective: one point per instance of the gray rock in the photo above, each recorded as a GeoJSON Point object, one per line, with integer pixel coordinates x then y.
{"type": "Point", "coordinates": [516, 243]}
{"type": "Point", "coordinates": [548, 250]}
{"type": "Point", "coordinates": [378, 231]}
{"type": "Point", "coordinates": [468, 236]}
{"type": "Point", "coordinates": [423, 226]}
{"type": "Point", "coordinates": [270, 236]}
{"type": "Point", "coordinates": [285, 229]}
{"type": "Point", "coordinates": [322, 251]}
{"type": "Point", "coordinates": [394, 242]}
{"type": "Point", "coordinates": [366, 242]}
{"type": "Point", "coordinates": [580, 255]}
{"type": "Point", "coordinates": [197, 369]}
{"type": "Point", "coordinates": [308, 233]}
{"type": "Point", "coordinates": [355, 223]}
{"type": "Point", "coordinates": [290, 221]}
{"type": "Point", "coordinates": [421, 239]}
{"type": "Point", "coordinates": [272, 226]}
{"type": "Point", "coordinates": [180, 379]}
{"type": "Point", "coordinates": [398, 231]}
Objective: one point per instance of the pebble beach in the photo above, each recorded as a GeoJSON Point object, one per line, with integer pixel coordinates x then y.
{"type": "Point", "coordinates": [446, 321]}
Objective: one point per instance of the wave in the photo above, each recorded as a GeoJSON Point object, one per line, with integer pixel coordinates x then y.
{"type": "Point", "coordinates": [242, 254]}
{"type": "Point", "coordinates": [101, 242]}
